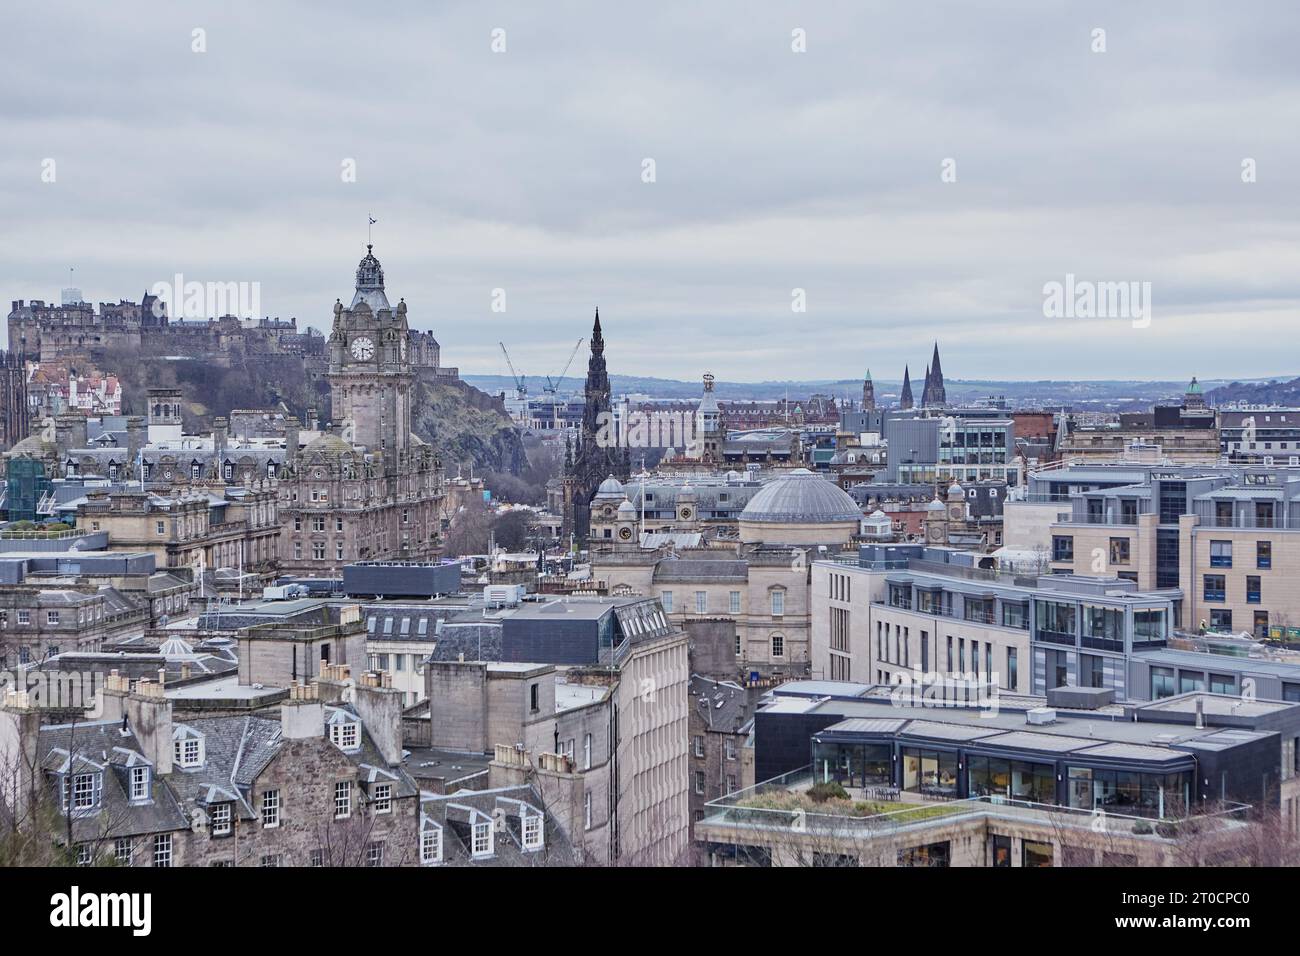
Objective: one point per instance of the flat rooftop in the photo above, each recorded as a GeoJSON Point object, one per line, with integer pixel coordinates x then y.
{"type": "Point", "coordinates": [939, 722]}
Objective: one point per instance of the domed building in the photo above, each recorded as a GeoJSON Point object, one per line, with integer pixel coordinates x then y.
{"type": "Point", "coordinates": [800, 507]}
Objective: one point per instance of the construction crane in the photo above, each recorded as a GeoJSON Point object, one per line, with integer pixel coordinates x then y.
{"type": "Point", "coordinates": [521, 389]}
{"type": "Point", "coordinates": [553, 384]}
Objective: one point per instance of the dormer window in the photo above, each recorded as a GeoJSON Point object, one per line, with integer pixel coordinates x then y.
{"type": "Point", "coordinates": [139, 784]}
{"type": "Point", "coordinates": [431, 845]}
{"type": "Point", "coordinates": [188, 748]}
{"type": "Point", "coordinates": [345, 731]}
{"type": "Point", "coordinates": [482, 839]}
{"type": "Point", "coordinates": [83, 791]}
{"type": "Point", "coordinates": [533, 833]}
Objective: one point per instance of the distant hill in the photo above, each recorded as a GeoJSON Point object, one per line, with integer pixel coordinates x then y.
{"type": "Point", "coordinates": [1100, 394]}
{"type": "Point", "coordinates": [1276, 392]}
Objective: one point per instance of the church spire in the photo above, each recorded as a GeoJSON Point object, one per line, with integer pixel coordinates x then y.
{"type": "Point", "coordinates": [936, 394]}
{"type": "Point", "coordinates": [905, 397]}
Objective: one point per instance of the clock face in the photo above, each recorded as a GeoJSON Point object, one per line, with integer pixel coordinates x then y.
{"type": "Point", "coordinates": [363, 348]}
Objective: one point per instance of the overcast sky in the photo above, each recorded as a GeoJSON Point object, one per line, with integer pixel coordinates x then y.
{"type": "Point", "coordinates": [774, 170]}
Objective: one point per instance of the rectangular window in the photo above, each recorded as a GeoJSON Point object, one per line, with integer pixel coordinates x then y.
{"type": "Point", "coordinates": [162, 850]}
{"type": "Point", "coordinates": [778, 603]}
{"type": "Point", "coordinates": [1119, 550]}
{"type": "Point", "coordinates": [666, 599]}
{"type": "Point", "coordinates": [1215, 587]}
{"type": "Point", "coordinates": [532, 833]}
{"type": "Point", "coordinates": [431, 846]}
{"type": "Point", "coordinates": [1062, 547]}
{"type": "Point", "coordinates": [222, 820]}
{"type": "Point", "coordinates": [1263, 555]}
{"type": "Point", "coordinates": [482, 839]}
{"type": "Point", "coordinates": [701, 601]}
{"type": "Point", "coordinates": [375, 854]}
{"type": "Point", "coordinates": [83, 791]}
{"type": "Point", "coordinates": [1011, 669]}
{"type": "Point", "coordinates": [271, 808]}
{"type": "Point", "coordinates": [1222, 684]}
{"type": "Point", "coordinates": [1220, 554]}
{"type": "Point", "coordinates": [586, 752]}
{"type": "Point", "coordinates": [734, 605]}
{"type": "Point", "coordinates": [1253, 595]}
{"type": "Point", "coordinates": [123, 851]}
{"type": "Point", "coordinates": [383, 798]}
{"type": "Point", "coordinates": [270, 860]}
{"type": "Point", "coordinates": [139, 783]}
{"type": "Point", "coordinates": [342, 800]}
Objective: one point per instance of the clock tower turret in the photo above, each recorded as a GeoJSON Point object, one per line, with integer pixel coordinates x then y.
{"type": "Point", "coordinates": [370, 367]}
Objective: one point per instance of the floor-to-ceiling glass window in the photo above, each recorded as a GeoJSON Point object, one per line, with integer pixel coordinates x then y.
{"type": "Point", "coordinates": [930, 772]}
{"type": "Point", "coordinates": [1130, 792]}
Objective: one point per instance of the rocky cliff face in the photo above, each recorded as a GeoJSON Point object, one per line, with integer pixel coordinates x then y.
{"type": "Point", "coordinates": [467, 426]}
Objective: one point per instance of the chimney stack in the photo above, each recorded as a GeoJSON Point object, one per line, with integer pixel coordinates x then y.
{"type": "Point", "coordinates": [291, 426]}
{"type": "Point", "coordinates": [220, 434]}
{"type": "Point", "coordinates": [380, 708]}
{"type": "Point", "coordinates": [136, 436]}
{"type": "Point", "coordinates": [150, 714]}
{"type": "Point", "coordinates": [302, 716]}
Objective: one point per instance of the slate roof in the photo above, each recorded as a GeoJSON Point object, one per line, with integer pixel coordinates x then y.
{"type": "Point", "coordinates": [504, 807]}
{"type": "Point", "coordinates": [103, 747]}
{"type": "Point", "coordinates": [723, 705]}
{"type": "Point", "coordinates": [237, 750]}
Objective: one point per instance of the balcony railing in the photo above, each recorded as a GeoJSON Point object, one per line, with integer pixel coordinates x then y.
{"type": "Point", "coordinates": [746, 810]}
{"type": "Point", "coordinates": [1056, 637]}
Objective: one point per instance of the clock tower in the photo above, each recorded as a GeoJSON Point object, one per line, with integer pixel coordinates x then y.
{"type": "Point", "coordinates": [370, 367]}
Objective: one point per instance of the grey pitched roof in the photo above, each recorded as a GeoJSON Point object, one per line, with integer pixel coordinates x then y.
{"type": "Point", "coordinates": [724, 706]}
{"type": "Point", "coordinates": [456, 813]}
{"type": "Point", "coordinates": [103, 747]}
{"type": "Point", "coordinates": [687, 569]}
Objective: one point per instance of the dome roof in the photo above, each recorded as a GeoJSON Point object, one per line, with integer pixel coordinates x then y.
{"type": "Point", "coordinates": [175, 647]}
{"type": "Point", "coordinates": [370, 283]}
{"type": "Point", "coordinates": [31, 445]}
{"type": "Point", "coordinates": [935, 505]}
{"type": "Point", "coordinates": [327, 444]}
{"type": "Point", "coordinates": [627, 508]}
{"type": "Point", "coordinates": [610, 486]}
{"type": "Point", "coordinates": [955, 492]}
{"type": "Point", "coordinates": [801, 497]}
